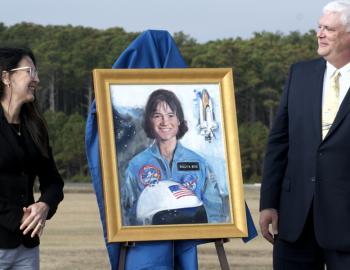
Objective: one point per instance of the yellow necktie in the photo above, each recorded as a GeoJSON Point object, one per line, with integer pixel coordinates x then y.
{"type": "Point", "coordinates": [330, 103]}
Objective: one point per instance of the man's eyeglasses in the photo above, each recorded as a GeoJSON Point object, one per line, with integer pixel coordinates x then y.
{"type": "Point", "coordinates": [33, 72]}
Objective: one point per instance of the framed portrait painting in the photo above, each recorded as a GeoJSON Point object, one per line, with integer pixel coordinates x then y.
{"type": "Point", "coordinates": [169, 152]}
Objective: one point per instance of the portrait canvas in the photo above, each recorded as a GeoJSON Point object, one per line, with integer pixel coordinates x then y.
{"type": "Point", "coordinates": [196, 194]}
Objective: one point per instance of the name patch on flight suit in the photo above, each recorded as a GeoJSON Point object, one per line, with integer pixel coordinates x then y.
{"type": "Point", "coordinates": [188, 166]}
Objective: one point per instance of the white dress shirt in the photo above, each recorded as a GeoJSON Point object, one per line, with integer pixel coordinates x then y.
{"type": "Point", "coordinates": [344, 80]}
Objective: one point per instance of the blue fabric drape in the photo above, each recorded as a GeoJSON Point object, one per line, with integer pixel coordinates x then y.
{"type": "Point", "coordinates": [152, 49]}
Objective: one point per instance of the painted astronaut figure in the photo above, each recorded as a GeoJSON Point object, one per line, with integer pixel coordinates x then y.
{"type": "Point", "coordinates": [167, 159]}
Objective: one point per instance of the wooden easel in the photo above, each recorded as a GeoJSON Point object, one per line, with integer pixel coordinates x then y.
{"type": "Point", "coordinates": [219, 245]}
{"type": "Point", "coordinates": [122, 253]}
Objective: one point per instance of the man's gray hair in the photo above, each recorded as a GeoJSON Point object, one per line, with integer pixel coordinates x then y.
{"type": "Point", "coordinates": [342, 7]}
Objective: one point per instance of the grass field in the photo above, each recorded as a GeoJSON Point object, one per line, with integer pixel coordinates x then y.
{"type": "Point", "coordinates": [73, 239]}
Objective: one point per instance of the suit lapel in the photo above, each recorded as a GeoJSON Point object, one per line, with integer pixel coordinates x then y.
{"type": "Point", "coordinates": [342, 112]}
{"type": "Point", "coordinates": [317, 87]}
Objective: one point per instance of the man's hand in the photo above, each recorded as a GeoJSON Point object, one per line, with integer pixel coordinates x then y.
{"type": "Point", "coordinates": [34, 217]}
{"type": "Point", "coordinates": [267, 217]}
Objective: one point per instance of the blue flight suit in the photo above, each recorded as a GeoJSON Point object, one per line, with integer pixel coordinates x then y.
{"type": "Point", "coordinates": [188, 168]}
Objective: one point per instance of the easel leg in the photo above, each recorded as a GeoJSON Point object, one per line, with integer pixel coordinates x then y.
{"type": "Point", "coordinates": [219, 245]}
{"type": "Point", "coordinates": [122, 254]}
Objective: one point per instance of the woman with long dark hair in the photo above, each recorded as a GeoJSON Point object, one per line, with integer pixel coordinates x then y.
{"type": "Point", "coordinates": [25, 155]}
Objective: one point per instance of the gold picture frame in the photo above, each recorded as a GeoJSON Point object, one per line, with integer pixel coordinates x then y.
{"type": "Point", "coordinates": [131, 87]}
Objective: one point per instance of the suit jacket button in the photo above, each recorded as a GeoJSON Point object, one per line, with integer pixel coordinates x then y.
{"type": "Point", "coordinates": [313, 179]}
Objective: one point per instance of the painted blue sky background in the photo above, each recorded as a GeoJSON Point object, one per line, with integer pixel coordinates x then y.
{"type": "Point", "coordinates": [203, 20]}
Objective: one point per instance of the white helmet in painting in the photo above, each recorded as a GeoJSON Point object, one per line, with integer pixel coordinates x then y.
{"type": "Point", "coordinates": [168, 202]}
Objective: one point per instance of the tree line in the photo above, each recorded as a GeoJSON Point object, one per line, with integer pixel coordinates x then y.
{"type": "Point", "coordinates": [67, 54]}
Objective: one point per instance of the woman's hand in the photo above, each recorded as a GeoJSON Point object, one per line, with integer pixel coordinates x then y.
{"type": "Point", "coordinates": [34, 217]}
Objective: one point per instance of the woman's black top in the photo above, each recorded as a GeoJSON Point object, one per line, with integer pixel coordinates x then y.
{"type": "Point", "coordinates": [20, 163]}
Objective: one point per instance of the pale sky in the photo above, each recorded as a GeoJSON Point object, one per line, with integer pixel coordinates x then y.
{"type": "Point", "coordinates": [203, 20]}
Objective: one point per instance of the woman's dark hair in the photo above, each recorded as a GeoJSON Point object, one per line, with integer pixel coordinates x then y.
{"type": "Point", "coordinates": [158, 96]}
{"type": "Point", "coordinates": [30, 114]}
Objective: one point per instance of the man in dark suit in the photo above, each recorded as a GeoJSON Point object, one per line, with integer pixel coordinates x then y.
{"type": "Point", "coordinates": [305, 192]}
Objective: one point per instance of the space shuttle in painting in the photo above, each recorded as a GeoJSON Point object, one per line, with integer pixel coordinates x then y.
{"type": "Point", "coordinates": [206, 117]}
